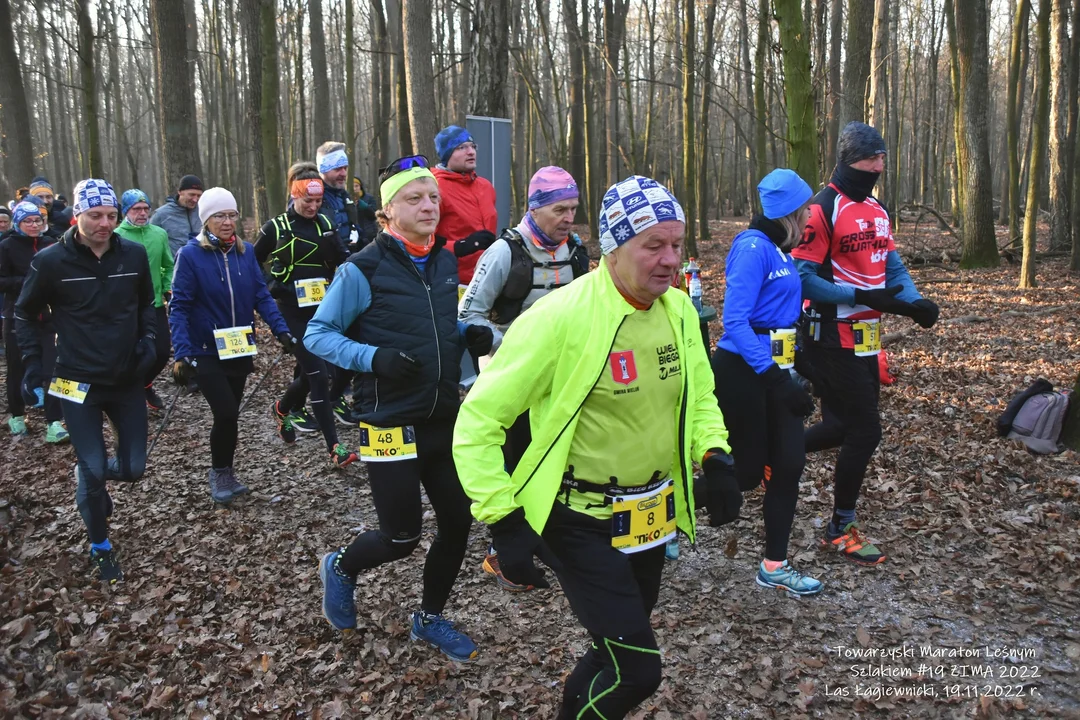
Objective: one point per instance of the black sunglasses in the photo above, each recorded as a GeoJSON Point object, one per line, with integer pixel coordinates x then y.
{"type": "Point", "coordinates": [401, 165]}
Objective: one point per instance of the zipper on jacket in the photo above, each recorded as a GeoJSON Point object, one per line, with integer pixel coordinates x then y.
{"type": "Point", "coordinates": [435, 330]}
{"type": "Point", "coordinates": [574, 414]}
{"type": "Point", "coordinates": [228, 280]}
{"type": "Point", "coordinates": [682, 437]}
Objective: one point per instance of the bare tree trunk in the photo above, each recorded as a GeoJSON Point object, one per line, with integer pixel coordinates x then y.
{"type": "Point", "coordinates": [973, 153]}
{"type": "Point", "coordinates": [1060, 151]}
{"type": "Point", "coordinates": [689, 151]}
{"type": "Point", "coordinates": [1074, 136]}
{"type": "Point", "coordinates": [491, 58]}
{"type": "Point", "coordinates": [320, 75]}
{"type": "Point", "coordinates": [614, 28]}
{"type": "Point", "coordinates": [743, 174]}
{"type": "Point", "coordinates": [593, 183]}
{"type": "Point", "coordinates": [350, 90]}
{"type": "Point", "coordinates": [857, 63]}
{"type": "Point", "coordinates": [832, 132]}
{"type": "Point", "coordinates": [175, 93]}
{"type": "Point", "coordinates": [1038, 144]}
{"type": "Point", "coordinates": [958, 115]}
{"type": "Point", "coordinates": [1012, 120]}
{"type": "Point", "coordinates": [798, 90]}
{"type": "Point", "coordinates": [702, 183]}
{"type": "Point", "coordinates": [88, 76]}
{"type": "Point", "coordinates": [262, 95]}
{"type": "Point", "coordinates": [878, 104]}
{"type": "Point", "coordinates": [380, 94]}
{"type": "Point", "coordinates": [15, 140]}
{"type": "Point", "coordinates": [395, 24]}
{"type": "Point", "coordinates": [576, 128]}
{"type": "Point", "coordinates": [418, 73]}
{"type": "Point", "coordinates": [761, 111]}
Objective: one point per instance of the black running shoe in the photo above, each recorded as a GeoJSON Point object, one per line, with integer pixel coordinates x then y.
{"type": "Point", "coordinates": [108, 569]}
{"type": "Point", "coordinates": [153, 400]}
{"type": "Point", "coordinates": [303, 421]}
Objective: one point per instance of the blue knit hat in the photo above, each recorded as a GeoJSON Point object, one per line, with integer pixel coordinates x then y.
{"type": "Point", "coordinates": [782, 192]}
{"type": "Point", "coordinates": [130, 198]}
{"type": "Point", "coordinates": [449, 139]}
{"type": "Point", "coordinates": [23, 211]}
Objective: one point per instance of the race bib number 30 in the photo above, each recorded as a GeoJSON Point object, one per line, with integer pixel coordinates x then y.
{"type": "Point", "coordinates": [387, 444]}
{"type": "Point", "coordinates": [866, 336]}
{"type": "Point", "coordinates": [643, 520]}
{"type": "Point", "coordinates": [310, 293]}
{"type": "Point", "coordinates": [235, 342]}
{"type": "Point", "coordinates": [782, 344]}
{"type": "Point", "coordinates": [69, 390]}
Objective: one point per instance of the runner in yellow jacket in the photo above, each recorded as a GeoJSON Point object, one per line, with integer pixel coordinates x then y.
{"type": "Point", "coordinates": [617, 382]}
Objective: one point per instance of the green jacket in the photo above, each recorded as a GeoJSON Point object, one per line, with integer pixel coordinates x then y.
{"type": "Point", "coordinates": [550, 359]}
{"type": "Point", "coordinates": [156, 242]}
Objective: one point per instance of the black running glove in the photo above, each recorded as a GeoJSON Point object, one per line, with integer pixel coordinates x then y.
{"type": "Point", "coordinates": [393, 364]}
{"type": "Point", "coordinates": [479, 339]}
{"type": "Point", "coordinates": [516, 543]}
{"type": "Point", "coordinates": [32, 381]}
{"type": "Point", "coordinates": [723, 497]}
{"type": "Point", "coordinates": [884, 300]}
{"type": "Point", "coordinates": [183, 371]}
{"type": "Point", "coordinates": [145, 355]}
{"type": "Point", "coordinates": [288, 342]}
{"type": "Point", "coordinates": [794, 397]}
{"type": "Point", "coordinates": [926, 312]}
{"type": "Point", "coordinates": [477, 241]}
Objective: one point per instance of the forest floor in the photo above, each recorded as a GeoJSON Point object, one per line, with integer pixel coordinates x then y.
{"type": "Point", "coordinates": [219, 613]}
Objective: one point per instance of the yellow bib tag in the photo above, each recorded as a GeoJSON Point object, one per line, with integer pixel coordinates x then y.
{"type": "Point", "coordinates": [387, 444]}
{"type": "Point", "coordinates": [643, 520]}
{"type": "Point", "coordinates": [461, 291]}
{"type": "Point", "coordinates": [69, 390]}
{"type": "Point", "coordinates": [311, 292]}
{"type": "Point", "coordinates": [783, 347]}
{"type": "Point", "coordinates": [235, 342]}
{"type": "Point", "coordinates": [866, 335]}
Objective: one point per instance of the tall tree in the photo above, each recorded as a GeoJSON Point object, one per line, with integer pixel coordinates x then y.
{"type": "Point", "coordinates": [973, 153]}
{"type": "Point", "coordinates": [702, 181]}
{"type": "Point", "coordinates": [1038, 143]}
{"type": "Point", "coordinates": [420, 79]}
{"type": "Point", "coordinates": [491, 59]}
{"type": "Point", "coordinates": [88, 75]}
{"type": "Point", "coordinates": [576, 127]}
{"type": "Point", "coordinates": [175, 93]}
{"type": "Point", "coordinates": [262, 93]}
{"type": "Point", "coordinates": [320, 75]}
{"type": "Point", "coordinates": [381, 100]}
{"type": "Point", "coordinates": [860, 31]}
{"type": "Point", "coordinates": [395, 24]}
{"type": "Point", "coordinates": [15, 141]}
{"type": "Point", "coordinates": [689, 151]}
{"type": "Point", "coordinates": [1060, 151]}
{"type": "Point", "coordinates": [761, 109]}
{"type": "Point", "coordinates": [802, 134]}
{"type": "Point", "coordinates": [836, 32]}
{"type": "Point", "coordinates": [614, 29]}
{"type": "Point", "coordinates": [350, 88]}
{"type": "Point", "coordinates": [1012, 120]}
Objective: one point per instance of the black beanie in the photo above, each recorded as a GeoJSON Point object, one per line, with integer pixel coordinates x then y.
{"type": "Point", "coordinates": [858, 141]}
{"type": "Point", "coordinates": [190, 182]}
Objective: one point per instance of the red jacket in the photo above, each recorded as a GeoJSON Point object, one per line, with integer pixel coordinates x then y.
{"type": "Point", "coordinates": [468, 205]}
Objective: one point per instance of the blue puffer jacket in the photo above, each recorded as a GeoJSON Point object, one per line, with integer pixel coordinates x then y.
{"type": "Point", "coordinates": [214, 290]}
{"type": "Point", "coordinates": [181, 224]}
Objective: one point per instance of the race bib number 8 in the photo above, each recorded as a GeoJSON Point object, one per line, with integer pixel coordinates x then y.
{"type": "Point", "coordinates": [387, 444]}
{"type": "Point", "coordinates": [866, 336]}
{"type": "Point", "coordinates": [782, 343]}
{"type": "Point", "coordinates": [311, 292]}
{"type": "Point", "coordinates": [69, 390]}
{"type": "Point", "coordinates": [643, 520]}
{"type": "Point", "coordinates": [235, 342]}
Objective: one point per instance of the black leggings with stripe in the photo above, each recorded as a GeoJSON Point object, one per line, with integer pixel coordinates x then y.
{"type": "Point", "coordinates": [613, 595]}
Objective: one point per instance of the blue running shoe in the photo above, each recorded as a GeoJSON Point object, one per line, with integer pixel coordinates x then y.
{"type": "Point", "coordinates": [338, 606]}
{"type": "Point", "coordinates": [440, 632]}
{"type": "Point", "coordinates": [788, 579]}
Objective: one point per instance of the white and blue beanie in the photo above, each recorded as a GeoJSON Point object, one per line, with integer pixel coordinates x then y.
{"type": "Point", "coordinates": [93, 193]}
{"type": "Point", "coordinates": [632, 205]}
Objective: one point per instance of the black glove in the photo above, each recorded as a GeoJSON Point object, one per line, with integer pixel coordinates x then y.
{"type": "Point", "coordinates": [32, 380]}
{"type": "Point", "coordinates": [479, 240]}
{"type": "Point", "coordinates": [723, 497]}
{"type": "Point", "coordinates": [926, 312]}
{"type": "Point", "coordinates": [183, 371]}
{"type": "Point", "coordinates": [288, 342]}
{"type": "Point", "coordinates": [393, 364]}
{"type": "Point", "coordinates": [166, 297]}
{"type": "Point", "coordinates": [794, 397]}
{"type": "Point", "coordinates": [145, 356]}
{"type": "Point", "coordinates": [516, 543]}
{"type": "Point", "coordinates": [479, 339]}
{"type": "Point", "coordinates": [884, 300]}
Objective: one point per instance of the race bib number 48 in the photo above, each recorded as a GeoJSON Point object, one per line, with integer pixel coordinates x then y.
{"type": "Point", "coordinates": [387, 444]}
{"type": "Point", "coordinates": [235, 342]}
{"type": "Point", "coordinates": [69, 390]}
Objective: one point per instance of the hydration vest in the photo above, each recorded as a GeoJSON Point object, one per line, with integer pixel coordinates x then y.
{"type": "Point", "coordinates": [520, 280]}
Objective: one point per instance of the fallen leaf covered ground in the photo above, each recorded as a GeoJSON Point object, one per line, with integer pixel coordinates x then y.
{"type": "Point", "coordinates": [219, 614]}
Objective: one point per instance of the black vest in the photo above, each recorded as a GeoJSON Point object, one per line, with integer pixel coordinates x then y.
{"type": "Point", "coordinates": [412, 309]}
